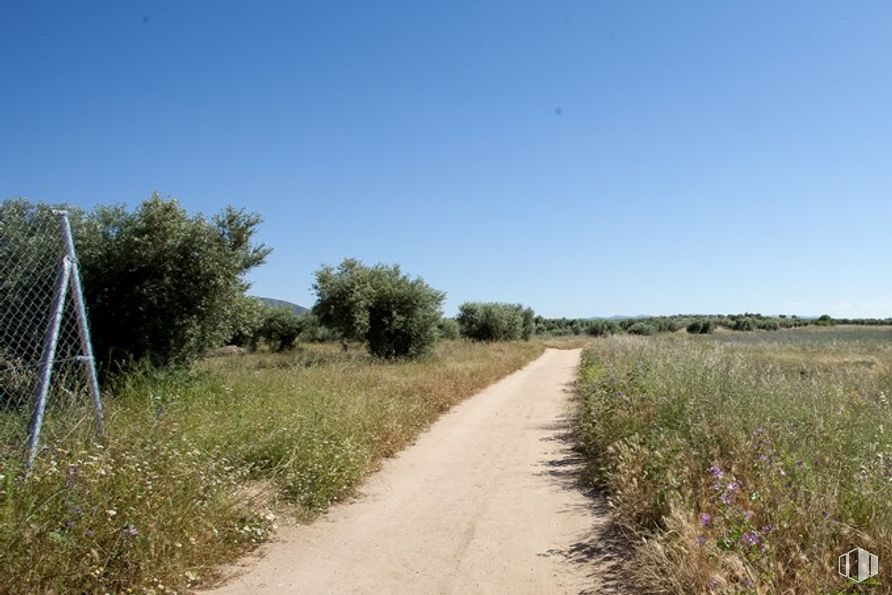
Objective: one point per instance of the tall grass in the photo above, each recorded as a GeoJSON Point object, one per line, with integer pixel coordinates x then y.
{"type": "Point", "coordinates": [743, 466]}
{"type": "Point", "coordinates": [198, 463]}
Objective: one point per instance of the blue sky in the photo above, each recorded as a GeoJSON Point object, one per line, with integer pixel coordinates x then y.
{"type": "Point", "coordinates": [585, 158]}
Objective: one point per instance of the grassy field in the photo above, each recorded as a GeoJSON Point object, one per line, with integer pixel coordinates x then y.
{"type": "Point", "coordinates": [744, 462]}
{"type": "Point", "coordinates": [198, 465]}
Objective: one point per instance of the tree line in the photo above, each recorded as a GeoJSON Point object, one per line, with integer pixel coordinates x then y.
{"type": "Point", "coordinates": [165, 287]}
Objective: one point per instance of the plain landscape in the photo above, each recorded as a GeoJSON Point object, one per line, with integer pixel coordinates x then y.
{"type": "Point", "coordinates": [445, 298]}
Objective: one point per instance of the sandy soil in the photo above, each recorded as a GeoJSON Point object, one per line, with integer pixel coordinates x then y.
{"type": "Point", "coordinates": [486, 501]}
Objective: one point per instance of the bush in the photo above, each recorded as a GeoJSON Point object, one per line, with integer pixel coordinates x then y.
{"type": "Point", "coordinates": [825, 320]}
{"type": "Point", "coordinates": [602, 328]}
{"type": "Point", "coordinates": [160, 285]}
{"type": "Point", "coordinates": [448, 328]}
{"type": "Point", "coordinates": [392, 314]}
{"type": "Point", "coordinates": [279, 329]}
{"type": "Point", "coordinates": [403, 316]}
{"type": "Point", "coordinates": [700, 327]}
{"type": "Point", "coordinates": [641, 328]}
{"type": "Point", "coordinates": [482, 321]}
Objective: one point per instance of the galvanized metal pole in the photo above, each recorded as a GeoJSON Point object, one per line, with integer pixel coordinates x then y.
{"type": "Point", "coordinates": [83, 325]}
{"type": "Point", "coordinates": [47, 358]}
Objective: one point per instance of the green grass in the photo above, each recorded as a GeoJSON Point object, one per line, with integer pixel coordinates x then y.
{"type": "Point", "coordinates": [198, 465]}
{"type": "Point", "coordinates": [743, 462]}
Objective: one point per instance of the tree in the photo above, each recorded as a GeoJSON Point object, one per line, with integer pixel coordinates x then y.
{"type": "Point", "coordinates": [448, 328]}
{"type": "Point", "coordinates": [489, 321]}
{"type": "Point", "coordinates": [388, 311]}
{"type": "Point", "coordinates": [641, 328]}
{"type": "Point", "coordinates": [162, 285]}
{"type": "Point", "coordinates": [279, 329]}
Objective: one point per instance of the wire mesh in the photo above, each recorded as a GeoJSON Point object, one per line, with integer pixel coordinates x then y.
{"type": "Point", "coordinates": [33, 256]}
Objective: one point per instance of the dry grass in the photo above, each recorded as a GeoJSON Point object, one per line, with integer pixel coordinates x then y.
{"type": "Point", "coordinates": [197, 463]}
{"type": "Point", "coordinates": [744, 465]}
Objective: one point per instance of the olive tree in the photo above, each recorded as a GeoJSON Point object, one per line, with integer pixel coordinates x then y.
{"type": "Point", "coordinates": [391, 313]}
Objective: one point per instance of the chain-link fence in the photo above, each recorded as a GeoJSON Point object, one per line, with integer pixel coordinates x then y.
{"type": "Point", "coordinates": [45, 352]}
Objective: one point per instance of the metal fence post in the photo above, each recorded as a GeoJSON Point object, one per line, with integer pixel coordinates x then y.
{"type": "Point", "coordinates": [83, 325]}
{"type": "Point", "coordinates": [47, 358]}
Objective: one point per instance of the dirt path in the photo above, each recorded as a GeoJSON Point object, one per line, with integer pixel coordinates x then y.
{"type": "Point", "coordinates": [483, 502]}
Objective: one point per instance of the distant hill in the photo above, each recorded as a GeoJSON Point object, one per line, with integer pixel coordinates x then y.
{"type": "Point", "coordinates": [282, 304]}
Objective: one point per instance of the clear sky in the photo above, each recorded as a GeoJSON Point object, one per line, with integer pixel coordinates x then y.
{"type": "Point", "coordinates": [584, 158]}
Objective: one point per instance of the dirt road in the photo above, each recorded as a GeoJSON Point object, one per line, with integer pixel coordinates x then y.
{"type": "Point", "coordinates": [483, 502]}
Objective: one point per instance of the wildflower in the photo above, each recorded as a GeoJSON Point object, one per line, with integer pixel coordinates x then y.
{"type": "Point", "coordinates": [700, 540]}
{"type": "Point", "coordinates": [131, 531]}
{"type": "Point", "coordinates": [748, 514]}
{"type": "Point", "coordinates": [725, 498]}
{"type": "Point", "coordinates": [716, 471]}
{"type": "Point", "coordinates": [733, 486]}
{"type": "Point", "coordinates": [767, 528]}
{"type": "Point", "coordinates": [747, 582]}
{"type": "Point", "coordinates": [705, 519]}
{"type": "Point", "coordinates": [111, 512]}
{"type": "Point", "coordinates": [750, 538]}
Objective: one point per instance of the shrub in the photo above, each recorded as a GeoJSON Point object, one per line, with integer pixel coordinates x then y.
{"type": "Point", "coordinates": [160, 285]}
{"type": "Point", "coordinates": [641, 328]}
{"type": "Point", "coordinates": [700, 327]}
{"type": "Point", "coordinates": [483, 321]}
{"type": "Point", "coordinates": [279, 329]}
{"type": "Point", "coordinates": [825, 320]}
{"type": "Point", "coordinates": [392, 314]}
{"type": "Point", "coordinates": [602, 328]}
{"type": "Point", "coordinates": [403, 316]}
{"type": "Point", "coordinates": [743, 324]}
{"type": "Point", "coordinates": [448, 328]}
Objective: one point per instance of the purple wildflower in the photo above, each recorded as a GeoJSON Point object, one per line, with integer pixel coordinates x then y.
{"type": "Point", "coordinates": [747, 582]}
{"type": "Point", "coordinates": [767, 528]}
{"type": "Point", "coordinates": [733, 486]}
{"type": "Point", "coordinates": [748, 514]}
{"type": "Point", "coordinates": [750, 538]}
{"type": "Point", "coordinates": [716, 471]}
{"type": "Point", "coordinates": [725, 498]}
{"type": "Point", "coordinates": [131, 531]}
{"type": "Point", "coordinates": [705, 519]}
{"type": "Point", "coordinates": [700, 540]}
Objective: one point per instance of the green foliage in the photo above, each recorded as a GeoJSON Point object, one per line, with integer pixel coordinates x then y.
{"type": "Point", "coordinates": [489, 321]}
{"type": "Point", "coordinates": [641, 328]}
{"type": "Point", "coordinates": [279, 329]}
{"type": "Point", "coordinates": [448, 328]}
{"type": "Point", "coordinates": [700, 327]}
{"type": "Point", "coordinates": [391, 313]}
{"type": "Point", "coordinates": [528, 328]}
{"type": "Point", "coordinates": [160, 285]}
{"type": "Point", "coordinates": [825, 320]}
{"type": "Point", "coordinates": [602, 328]}
{"type": "Point", "coordinates": [403, 316]}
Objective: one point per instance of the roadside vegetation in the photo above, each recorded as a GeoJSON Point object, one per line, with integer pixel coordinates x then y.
{"type": "Point", "coordinates": [204, 451]}
{"type": "Point", "coordinates": [743, 463]}
{"type": "Point", "coordinates": [198, 463]}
